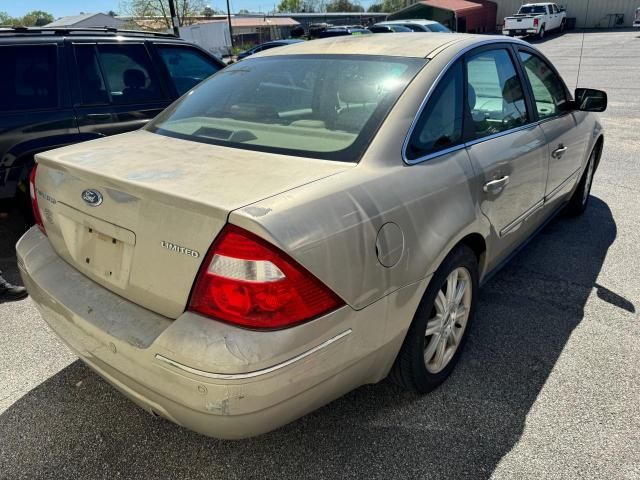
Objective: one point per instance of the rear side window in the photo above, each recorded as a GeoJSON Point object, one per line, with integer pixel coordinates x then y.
{"type": "Point", "coordinates": [92, 85]}
{"type": "Point", "coordinates": [440, 124]}
{"type": "Point", "coordinates": [549, 92]}
{"type": "Point", "coordinates": [28, 77]}
{"type": "Point", "coordinates": [495, 93]}
{"type": "Point", "coordinates": [129, 74]}
{"type": "Point", "coordinates": [187, 67]}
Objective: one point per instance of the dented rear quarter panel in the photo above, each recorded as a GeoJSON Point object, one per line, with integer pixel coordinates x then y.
{"type": "Point", "coordinates": [330, 226]}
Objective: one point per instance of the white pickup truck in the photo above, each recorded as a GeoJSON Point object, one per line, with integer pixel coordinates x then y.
{"type": "Point", "coordinates": [535, 19]}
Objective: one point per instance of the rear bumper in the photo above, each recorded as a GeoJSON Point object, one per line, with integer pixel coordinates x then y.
{"type": "Point", "coordinates": [520, 31]}
{"type": "Point", "coordinates": [208, 376]}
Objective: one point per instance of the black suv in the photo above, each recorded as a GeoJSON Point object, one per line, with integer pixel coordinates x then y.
{"type": "Point", "coordinates": [62, 86]}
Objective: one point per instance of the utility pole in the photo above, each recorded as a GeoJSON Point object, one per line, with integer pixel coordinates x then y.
{"type": "Point", "coordinates": [230, 27]}
{"type": "Point", "coordinates": [174, 19]}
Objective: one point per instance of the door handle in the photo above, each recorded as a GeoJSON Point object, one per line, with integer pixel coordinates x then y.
{"type": "Point", "coordinates": [99, 116]}
{"type": "Point", "coordinates": [558, 152]}
{"type": "Point", "coordinates": [494, 186]}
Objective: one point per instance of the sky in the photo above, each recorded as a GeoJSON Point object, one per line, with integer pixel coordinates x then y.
{"type": "Point", "coordinates": [63, 8]}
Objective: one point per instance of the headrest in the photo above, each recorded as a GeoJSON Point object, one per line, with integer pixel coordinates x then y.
{"type": "Point", "coordinates": [134, 78]}
{"type": "Point", "coordinates": [512, 90]}
{"type": "Point", "coordinates": [471, 97]}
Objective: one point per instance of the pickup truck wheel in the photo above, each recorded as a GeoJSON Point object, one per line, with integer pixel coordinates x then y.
{"type": "Point", "coordinates": [541, 33]}
{"type": "Point", "coordinates": [437, 335]}
{"type": "Point", "coordinates": [562, 27]}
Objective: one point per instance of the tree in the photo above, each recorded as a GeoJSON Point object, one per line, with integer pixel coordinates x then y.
{"type": "Point", "coordinates": [297, 6]}
{"type": "Point", "coordinates": [293, 6]}
{"type": "Point", "coordinates": [185, 10]}
{"type": "Point", "coordinates": [36, 18]}
{"type": "Point", "coordinates": [393, 5]}
{"type": "Point", "coordinates": [375, 8]}
{"type": "Point", "coordinates": [5, 18]}
{"type": "Point", "coordinates": [343, 6]}
{"type": "Point", "coordinates": [208, 11]}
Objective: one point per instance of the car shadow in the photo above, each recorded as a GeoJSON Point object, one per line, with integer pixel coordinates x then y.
{"type": "Point", "coordinates": [76, 424]}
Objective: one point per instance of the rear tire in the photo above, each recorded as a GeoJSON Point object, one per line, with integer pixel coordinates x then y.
{"type": "Point", "coordinates": [580, 198]}
{"type": "Point", "coordinates": [541, 33]}
{"type": "Point", "coordinates": [438, 332]}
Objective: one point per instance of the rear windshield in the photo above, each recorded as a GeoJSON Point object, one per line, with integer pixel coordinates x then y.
{"type": "Point", "coordinates": [533, 9]}
{"type": "Point", "coordinates": [320, 106]}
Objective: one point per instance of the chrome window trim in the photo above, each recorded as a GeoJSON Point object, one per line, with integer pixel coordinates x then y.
{"type": "Point", "coordinates": [434, 85]}
{"type": "Point", "coordinates": [255, 373]}
{"type": "Point", "coordinates": [528, 126]}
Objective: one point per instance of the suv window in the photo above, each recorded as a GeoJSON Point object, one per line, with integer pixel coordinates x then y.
{"type": "Point", "coordinates": [129, 74]}
{"type": "Point", "coordinates": [187, 67]}
{"type": "Point", "coordinates": [440, 124]}
{"type": "Point", "coordinates": [495, 93]}
{"type": "Point", "coordinates": [29, 78]}
{"type": "Point", "coordinates": [92, 86]}
{"type": "Point", "coordinates": [549, 92]}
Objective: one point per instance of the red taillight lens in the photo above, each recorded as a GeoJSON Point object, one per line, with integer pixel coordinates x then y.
{"type": "Point", "coordinates": [249, 282]}
{"type": "Point", "coordinates": [535, 22]}
{"type": "Point", "coordinates": [34, 199]}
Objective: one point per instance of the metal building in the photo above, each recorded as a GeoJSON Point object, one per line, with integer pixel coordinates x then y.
{"type": "Point", "coordinates": [588, 13]}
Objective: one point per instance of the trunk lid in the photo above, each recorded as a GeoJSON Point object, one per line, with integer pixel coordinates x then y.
{"type": "Point", "coordinates": [137, 212]}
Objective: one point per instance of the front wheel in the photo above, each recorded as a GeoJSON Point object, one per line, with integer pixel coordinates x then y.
{"type": "Point", "coordinates": [562, 27]}
{"type": "Point", "coordinates": [580, 198]}
{"type": "Point", "coordinates": [439, 329]}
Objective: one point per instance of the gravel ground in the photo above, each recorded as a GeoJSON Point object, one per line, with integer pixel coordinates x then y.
{"type": "Point", "coordinates": [548, 386]}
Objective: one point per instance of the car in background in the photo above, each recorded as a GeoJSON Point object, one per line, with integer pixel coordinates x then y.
{"type": "Point", "coordinates": [307, 221]}
{"type": "Point", "coordinates": [418, 25]}
{"type": "Point", "coordinates": [389, 29]}
{"type": "Point", "coordinates": [63, 86]}
{"type": "Point", "coordinates": [535, 19]}
{"type": "Point", "coordinates": [636, 22]}
{"type": "Point", "coordinates": [267, 46]}
{"type": "Point", "coordinates": [343, 31]}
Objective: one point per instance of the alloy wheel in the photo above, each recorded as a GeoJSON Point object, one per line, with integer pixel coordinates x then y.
{"type": "Point", "coordinates": [448, 322]}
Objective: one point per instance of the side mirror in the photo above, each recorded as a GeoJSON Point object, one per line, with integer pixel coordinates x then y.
{"type": "Point", "coordinates": [590, 100]}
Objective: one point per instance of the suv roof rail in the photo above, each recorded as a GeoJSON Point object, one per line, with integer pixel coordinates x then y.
{"type": "Point", "coordinates": [22, 30]}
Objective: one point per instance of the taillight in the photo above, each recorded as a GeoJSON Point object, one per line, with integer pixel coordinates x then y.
{"type": "Point", "coordinates": [34, 199]}
{"type": "Point", "coordinates": [247, 281]}
{"type": "Point", "coordinates": [535, 22]}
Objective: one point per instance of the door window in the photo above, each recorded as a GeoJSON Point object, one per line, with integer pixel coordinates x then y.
{"type": "Point", "coordinates": [129, 74]}
{"type": "Point", "coordinates": [28, 78]}
{"type": "Point", "coordinates": [440, 124]}
{"type": "Point", "coordinates": [548, 89]}
{"type": "Point", "coordinates": [92, 86]}
{"type": "Point", "coordinates": [187, 67]}
{"type": "Point", "coordinates": [495, 95]}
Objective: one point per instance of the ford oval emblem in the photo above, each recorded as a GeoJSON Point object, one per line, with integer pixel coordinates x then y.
{"type": "Point", "coordinates": [92, 197]}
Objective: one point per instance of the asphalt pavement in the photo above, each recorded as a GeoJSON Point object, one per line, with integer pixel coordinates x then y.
{"type": "Point", "coordinates": [548, 386]}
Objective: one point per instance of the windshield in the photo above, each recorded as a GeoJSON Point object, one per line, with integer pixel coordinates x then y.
{"type": "Point", "coordinates": [321, 106]}
{"type": "Point", "coordinates": [437, 27]}
{"type": "Point", "coordinates": [536, 9]}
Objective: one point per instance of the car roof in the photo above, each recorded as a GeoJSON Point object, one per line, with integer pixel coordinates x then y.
{"type": "Point", "coordinates": [48, 35]}
{"type": "Point", "coordinates": [398, 45]}
{"type": "Point", "coordinates": [420, 21]}
{"type": "Point", "coordinates": [285, 41]}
